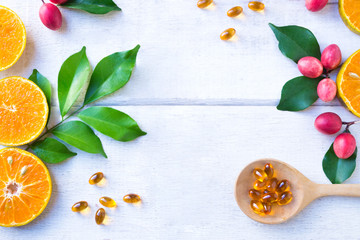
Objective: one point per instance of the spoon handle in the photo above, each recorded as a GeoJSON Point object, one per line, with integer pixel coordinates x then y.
{"type": "Point", "coordinates": [350, 190]}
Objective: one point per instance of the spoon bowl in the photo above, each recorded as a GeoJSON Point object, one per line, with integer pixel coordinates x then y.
{"type": "Point", "coordinates": [304, 191]}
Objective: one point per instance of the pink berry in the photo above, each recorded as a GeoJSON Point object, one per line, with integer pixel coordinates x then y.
{"type": "Point", "coordinates": [331, 57]}
{"type": "Point", "coordinates": [344, 145]}
{"type": "Point", "coordinates": [58, 1]}
{"type": "Point", "coordinates": [50, 16]}
{"type": "Point", "coordinates": [326, 90]}
{"type": "Point", "coordinates": [310, 67]}
{"type": "Point", "coordinates": [315, 5]}
{"type": "Point", "coordinates": [328, 123]}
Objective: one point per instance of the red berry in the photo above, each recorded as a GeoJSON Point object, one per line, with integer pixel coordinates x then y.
{"type": "Point", "coordinates": [50, 16]}
{"type": "Point", "coordinates": [326, 90]}
{"type": "Point", "coordinates": [344, 145]}
{"type": "Point", "coordinates": [328, 123]}
{"type": "Point", "coordinates": [315, 5]}
{"type": "Point", "coordinates": [331, 57]}
{"type": "Point", "coordinates": [310, 67]}
{"type": "Point", "coordinates": [58, 1]}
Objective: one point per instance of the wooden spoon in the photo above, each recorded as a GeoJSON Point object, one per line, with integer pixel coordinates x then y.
{"type": "Point", "coordinates": [304, 191]}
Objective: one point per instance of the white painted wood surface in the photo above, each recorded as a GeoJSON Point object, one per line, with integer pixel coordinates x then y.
{"type": "Point", "coordinates": [209, 109]}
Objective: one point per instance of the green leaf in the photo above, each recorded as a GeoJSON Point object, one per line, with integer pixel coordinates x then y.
{"type": "Point", "coordinates": [112, 123]}
{"type": "Point", "coordinates": [298, 94]}
{"type": "Point", "coordinates": [52, 151]}
{"type": "Point", "coordinates": [79, 135]}
{"type": "Point", "coordinates": [92, 6]}
{"type": "Point", "coordinates": [43, 84]}
{"type": "Point", "coordinates": [73, 76]}
{"type": "Point", "coordinates": [337, 170]}
{"type": "Point", "coordinates": [111, 73]}
{"type": "Point", "coordinates": [296, 42]}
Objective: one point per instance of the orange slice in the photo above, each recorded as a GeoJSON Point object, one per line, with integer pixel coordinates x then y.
{"type": "Point", "coordinates": [350, 14]}
{"type": "Point", "coordinates": [348, 83]}
{"type": "Point", "coordinates": [12, 38]}
{"type": "Point", "coordinates": [23, 111]}
{"type": "Point", "coordinates": [25, 187]}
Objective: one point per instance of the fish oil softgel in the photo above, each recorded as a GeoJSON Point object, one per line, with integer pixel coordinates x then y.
{"type": "Point", "coordinates": [227, 34]}
{"type": "Point", "coordinates": [204, 3]}
{"type": "Point", "coordinates": [96, 178]}
{"type": "Point", "coordinates": [268, 191]}
{"type": "Point", "coordinates": [100, 216]}
{"type": "Point", "coordinates": [79, 206]}
{"type": "Point", "coordinates": [132, 198]}
{"type": "Point", "coordinates": [256, 6]}
{"type": "Point", "coordinates": [107, 202]}
{"type": "Point", "coordinates": [235, 11]}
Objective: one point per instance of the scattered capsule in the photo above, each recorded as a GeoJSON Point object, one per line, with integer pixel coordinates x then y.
{"type": "Point", "coordinates": [100, 216]}
{"type": "Point", "coordinates": [227, 34]}
{"type": "Point", "coordinates": [282, 186]}
{"type": "Point", "coordinates": [257, 207]}
{"type": "Point", "coordinates": [254, 194]}
{"type": "Point", "coordinates": [265, 191]}
{"type": "Point", "coordinates": [107, 202]}
{"type": "Point", "coordinates": [131, 198]}
{"type": "Point", "coordinates": [271, 184]}
{"type": "Point", "coordinates": [269, 197]}
{"type": "Point", "coordinates": [204, 3]}
{"type": "Point", "coordinates": [267, 208]}
{"type": "Point", "coordinates": [260, 175]}
{"type": "Point", "coordinates": [79, 206]}
{"type": "Point", "coordinates": [96, 178]}
{"type": "Point", "coordinates": [269, 170]}
{"type": "Point", "coordinates": [285, 198]}
{"type": "Point", "coordinates": [259, 185]}
{"type": "Point", "coordinates": [256, 6]}
{"type": "Point", "coordinates": [235, 11]}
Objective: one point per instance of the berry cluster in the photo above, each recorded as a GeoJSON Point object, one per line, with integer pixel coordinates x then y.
{"type": "Point", "coordinates": [312, 67]}
{"type": "Point", "coordinates": [50, 14]}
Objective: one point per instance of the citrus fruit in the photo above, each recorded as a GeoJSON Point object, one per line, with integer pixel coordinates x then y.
{"type": "Point", "coordinates": [12, 38]}
{"type": "Point", "coordinates": [25, 187]}
{"type": "Point", "coordinates": [348, 83]}
{"type": "Point", "coordinates": [350, 14]}
{"type": "Point", "coordinates": [23, 111]}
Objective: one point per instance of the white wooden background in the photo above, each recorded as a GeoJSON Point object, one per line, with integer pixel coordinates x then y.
{"type": "Point", "coordinates": [209, 109]}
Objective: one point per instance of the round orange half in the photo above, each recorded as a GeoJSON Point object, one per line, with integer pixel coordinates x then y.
{"type": "Point", "coordinates": [25, 187]}
{"type": "Point", "coordinates": [12, 38]}
{"type": "Point", "coordinates": [350, 13]}
{"type": "Point", "coordinates": [348, 83]}
{"type": "Point", "coordinates": [23, 111]}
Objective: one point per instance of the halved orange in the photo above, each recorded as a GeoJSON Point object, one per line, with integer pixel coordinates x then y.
{"type": "Point", "coordinates": [350, 13]}
{"type": "Point", "coordinates": [25, 187]}
{"type": "Point", "coordinates": [12, 38]}
{"type": "Point", "coordinates": [23, 111]}
{"type": "Point", "coordinates": [348, 83]}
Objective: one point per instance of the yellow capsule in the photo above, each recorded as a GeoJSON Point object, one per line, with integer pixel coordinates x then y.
{"type": "Point", "coordinates": [204, 3]}
{"type": "Point", "coordinates": [269, 170]}
{"type": "Point", "coordinates": [96, 178]}
{"type": "Point", "coordinates": [227, 34]}
{"type": "Point", "coordinates": [235, 11]}
{"type": "Point", "coordinates": [271, 184]}
{"type": "Point", "coordinates": [107, 202]}
{"type": "Point", "coordinates": [259, 185]}
{"type": "Point", "coordinates": [269, 197]}
{"type": "Point", "coordinates": [254, 194]}
{"type": "Point", "coordinates": [132, 198]}
{"type": "Point", "coordinates": [267, 208]}
{"type": "Point", "coordinates": [100, 216]}
{"type": "Point", "coordinates": [79, 206]}
{"type": "Point", "coordinates": [257, 207]}
{"type": "Point", "coordinates": [285, 198]}
{"type": "Point", "coordinates": [282, 186]}
{"type": "Point", "coordinates": [256, 6]}
{"type": "Point", "coordinates": [260, 175]}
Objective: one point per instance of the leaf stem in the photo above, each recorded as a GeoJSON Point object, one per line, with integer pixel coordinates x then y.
{"type": "Point", "coordinates": [348, 124]}
{"type": "Point", "coordinates": [48, 130]}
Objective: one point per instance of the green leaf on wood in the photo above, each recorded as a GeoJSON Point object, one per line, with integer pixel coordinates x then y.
{"type": "Point", "coordinates": [296, 42]}
{"type": "Point", "coordinates": [92, 6]}
{"type": "Point", "coordinates": [298, 94]}
{"type": "Point", "coordinates": [52, 151]}
{"type": "Point", "coordinates": [79, 135]}
{"type": "Point", "coordinates": [73, 76]}
{"type": "Point", "coordinates": [112, 123]}
{"type": "Point", "coordinates": [337, 170]}
{"type": "Point", "coordinates": [43, 84]}
{"type": "Point", "coordinates": [110, 74]}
